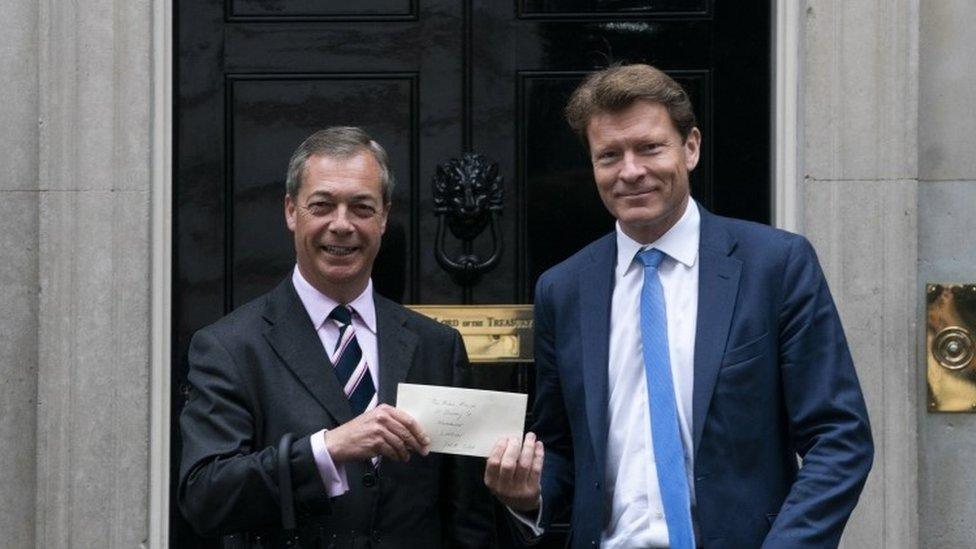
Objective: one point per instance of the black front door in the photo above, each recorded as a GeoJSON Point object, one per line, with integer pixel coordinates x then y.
{"type": "Point", "coordinates": [430, 80]}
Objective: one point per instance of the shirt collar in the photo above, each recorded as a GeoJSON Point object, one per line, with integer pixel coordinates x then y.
{"type": "Point", "coordinates": [319, 305]}
{"type": "Point", "coordinates": [680, 242]}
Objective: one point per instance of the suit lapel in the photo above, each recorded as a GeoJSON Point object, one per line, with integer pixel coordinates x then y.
{"type": "Point", "coordinates": [718, 287]}
{"type": "Point", "coordinates": [595, 283]}
{"type": "Point", "coordinates": [395, 347]}
{"type": "Point", "coordinates": [294, 339]}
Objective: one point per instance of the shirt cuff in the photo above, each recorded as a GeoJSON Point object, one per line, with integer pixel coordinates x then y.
{"type": "Point", "coordinates": [333, 475]}
{"type": "Point", "coordinates": [527, 524]}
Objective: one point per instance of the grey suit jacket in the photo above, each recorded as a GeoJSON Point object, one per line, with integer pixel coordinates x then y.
{"type": "Point", "coordinates": [261, 372]}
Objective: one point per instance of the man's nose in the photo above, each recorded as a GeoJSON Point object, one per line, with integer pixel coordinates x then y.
{"type": "Point", "coordinates": [630, 169]}
{"type": "Point", "coordinates": [340, 222]}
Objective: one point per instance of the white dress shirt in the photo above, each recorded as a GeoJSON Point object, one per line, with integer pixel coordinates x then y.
{"type": "Point", "coordinates": [636, 511]}
{"type": "Point", "coordinates": [633, 495]}
{"type": "Point", "coordinates": [318, 306]}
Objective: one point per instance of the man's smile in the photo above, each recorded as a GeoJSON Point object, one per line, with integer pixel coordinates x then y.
{"type": "Point", "coordinates": [339, 250]}
{"type": "Point", "coordinates": [634, 194]}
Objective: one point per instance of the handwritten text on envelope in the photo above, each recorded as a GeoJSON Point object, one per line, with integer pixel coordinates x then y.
{"type": "Point", "coordinates": [463, 421]}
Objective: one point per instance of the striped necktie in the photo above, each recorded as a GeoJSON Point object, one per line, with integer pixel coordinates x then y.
{"type": "Point", "coordinates": [350, 363]}
{"type": "Point", "coordinates": [669, 452]}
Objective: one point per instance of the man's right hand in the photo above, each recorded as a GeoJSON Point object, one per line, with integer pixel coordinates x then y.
{"type": "Point", "coordinates": [513, 472]}
{"type": "Point", "coordinates": [382, 431]}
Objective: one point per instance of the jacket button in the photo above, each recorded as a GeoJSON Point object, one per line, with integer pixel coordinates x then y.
{"type": "Point", "coordinates": [369, 480]}
{"type": "Point", "coordinates": [596, 485]}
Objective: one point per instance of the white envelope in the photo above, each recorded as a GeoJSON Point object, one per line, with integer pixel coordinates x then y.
{"type": "Point", "coordinates": [463, 421]}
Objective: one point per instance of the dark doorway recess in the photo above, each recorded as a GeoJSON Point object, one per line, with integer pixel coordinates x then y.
{"type": "Point", "coordinates": [431, 79]}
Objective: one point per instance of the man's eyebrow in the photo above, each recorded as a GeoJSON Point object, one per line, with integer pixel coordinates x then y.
{"type": "Point", "coordinates": [358, 197]}
{"type": "Point", "coordinates": [320, 194]}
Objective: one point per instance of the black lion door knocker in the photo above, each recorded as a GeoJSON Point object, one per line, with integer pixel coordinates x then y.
{"type": "Point", "coordinates": [468, 197]}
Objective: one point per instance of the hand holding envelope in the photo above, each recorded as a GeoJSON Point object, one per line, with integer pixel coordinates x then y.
{"type": "Point", "coordinates": [486, 424]}
{"type": "Point", "coordinates": [382, 431]}
{"type": "Point", "coordinates": [514, 471]}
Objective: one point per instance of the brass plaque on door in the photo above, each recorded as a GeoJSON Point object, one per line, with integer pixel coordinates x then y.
{"type": "Point", "coordinates": [491, 333]}
{"type": "Point", "coordinates": [950, 345]}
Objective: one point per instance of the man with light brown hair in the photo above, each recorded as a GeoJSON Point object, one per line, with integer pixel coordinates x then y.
{"type": "Point", "coordinates": [683, 361]}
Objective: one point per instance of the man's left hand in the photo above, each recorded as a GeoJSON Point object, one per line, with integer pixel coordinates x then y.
{"type": "Point", "coordinates": [513, 472]}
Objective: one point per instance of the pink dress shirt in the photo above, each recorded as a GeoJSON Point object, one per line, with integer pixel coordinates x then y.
{"type": "Point", "coordinates": [318, 306]}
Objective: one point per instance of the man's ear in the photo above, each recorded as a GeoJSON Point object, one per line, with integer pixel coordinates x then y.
{"type": "Point", "coordinates": [692, 147]}
{"type": "Point", "coordinates": [384, 216]}
{"type": "Point", "coordinates": [290, 212]}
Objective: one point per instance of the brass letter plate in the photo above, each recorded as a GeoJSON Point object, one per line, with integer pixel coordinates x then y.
{"type": "Point", "coordinates": [950, 347]}
{"type": "Point", "coordinates": [491, 333]}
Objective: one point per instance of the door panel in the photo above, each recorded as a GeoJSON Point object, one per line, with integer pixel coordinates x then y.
{"type": "Point", "coordinates": [617, 8]}
{"type": "Point", "coordinates": [313, 9]}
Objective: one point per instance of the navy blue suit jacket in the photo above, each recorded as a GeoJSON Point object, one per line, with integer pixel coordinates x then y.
{"type": "Point", "coordinates": [773, 379]}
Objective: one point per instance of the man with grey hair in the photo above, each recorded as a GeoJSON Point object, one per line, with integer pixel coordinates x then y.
{"type": "Point", "coordinates": [319, 357]}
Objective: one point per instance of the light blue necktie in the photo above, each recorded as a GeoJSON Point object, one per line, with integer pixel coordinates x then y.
{"type": "Point", "coordinates": [668, 450]}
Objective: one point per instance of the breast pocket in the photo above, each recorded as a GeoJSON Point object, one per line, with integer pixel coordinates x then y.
{"type": "Point", "coordinates": [746, 351]}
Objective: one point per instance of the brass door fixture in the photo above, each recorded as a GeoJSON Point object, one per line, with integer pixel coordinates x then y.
{"type": "Point", "coordinates": [491, 333]}
{"type": "Point", "coordinates": [951, 347]}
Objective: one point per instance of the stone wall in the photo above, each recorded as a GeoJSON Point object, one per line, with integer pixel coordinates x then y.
{"type": "Point", "coordinates": [946, 252]}
{"type": "Point", "coordinates": [18, 270]}
{"type": "Point", "coordinates": [94, 276]}
{"type": "Point", "coordinates": [860, 186]}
